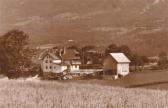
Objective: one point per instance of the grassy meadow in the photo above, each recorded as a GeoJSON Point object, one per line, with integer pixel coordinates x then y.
{"type": "Point", "coordinates": [52, 94]}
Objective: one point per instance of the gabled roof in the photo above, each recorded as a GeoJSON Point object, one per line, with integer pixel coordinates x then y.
{"type": "Point", "coordinates": [69, 55]}
{"type": "Point", "coordinates": [120, 57]}
{"type": "Point", "coordinates": [45, 53]}
{"type": "Point", "coordinates": [54, 56]}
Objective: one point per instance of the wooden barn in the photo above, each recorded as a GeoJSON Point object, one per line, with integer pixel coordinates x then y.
{"type": "Point", "coordinates": [116, 64]}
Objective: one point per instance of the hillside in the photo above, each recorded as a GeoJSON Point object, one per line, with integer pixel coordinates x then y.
{"type": "Point", "coordinates": [141, 24]}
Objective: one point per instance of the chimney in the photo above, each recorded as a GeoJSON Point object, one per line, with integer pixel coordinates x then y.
{"type": "Point", "coordinates": [60, 51]}
{"type": "Point", "coordinates": [64, 50]}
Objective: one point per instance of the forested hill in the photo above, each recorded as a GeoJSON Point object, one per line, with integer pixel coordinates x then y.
{"type": "Point", "coordinates": [141, 24]}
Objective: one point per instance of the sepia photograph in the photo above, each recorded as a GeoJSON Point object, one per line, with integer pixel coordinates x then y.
{"type": "Point", "coordinates": [83, 53]}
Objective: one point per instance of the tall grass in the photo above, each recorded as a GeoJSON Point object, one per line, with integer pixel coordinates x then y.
{"type": "Point", "coordinates": [27, 94]}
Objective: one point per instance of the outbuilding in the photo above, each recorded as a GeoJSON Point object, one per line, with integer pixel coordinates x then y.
{"type": "Point", "coordinates": [116, 64]}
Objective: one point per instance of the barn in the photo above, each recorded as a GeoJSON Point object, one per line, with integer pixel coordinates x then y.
{"type": "Point", "coordinates": [116, 64]}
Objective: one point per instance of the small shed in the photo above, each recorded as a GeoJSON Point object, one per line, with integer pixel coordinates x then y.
{"type": "Point", "coordinates": [116, 64]}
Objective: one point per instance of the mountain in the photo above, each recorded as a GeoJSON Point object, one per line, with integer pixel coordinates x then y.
{"type": "Point", "coordinates": [141, 24]}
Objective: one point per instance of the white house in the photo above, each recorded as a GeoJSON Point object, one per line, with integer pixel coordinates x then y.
{"type": "Point", "coordinates": [116, 64]}
{"type": "Point", "coordinates": [51, 62]}
{"type": "Point", "coordinates": [56, 62]}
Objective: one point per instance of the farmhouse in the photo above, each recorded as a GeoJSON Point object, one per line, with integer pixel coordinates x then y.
{"type": "Point", "coordinates": [72, 59]}
{"type": "Point", "coordinates": [116, 64]}
{"type": "Point", "coordinates": [57, 61]}
{"type": "Point", "coordinates": [51, 62]}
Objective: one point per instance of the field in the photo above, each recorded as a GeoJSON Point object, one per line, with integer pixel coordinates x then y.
{"type": "Point", "coordinates": [48, 94]}
{"type": "Point", "coordinates": [153, 79]}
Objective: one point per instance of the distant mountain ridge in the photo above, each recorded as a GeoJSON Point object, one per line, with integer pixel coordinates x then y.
{"type": "Point", "coordinates": [141, 24]}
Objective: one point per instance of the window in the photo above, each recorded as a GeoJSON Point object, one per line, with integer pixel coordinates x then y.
{"type": "Point", "coordinates": [124, 68]}
{"type": "Point", "coordinates": [46, 67]}
{"type": "Point", "coordinates": [50, 67]}
{"type": "Point", "coordinates": [46, 61]}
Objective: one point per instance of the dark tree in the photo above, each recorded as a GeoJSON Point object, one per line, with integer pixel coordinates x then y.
{"type": "Point", "coordinates": [3, 60]}
{"type": "Point", "coordinates": [126, 50]}
{"type": "Point", "coordinates": [136, 61]}
{"type": "Point", "coordinates": [15, 49]}
{"type": "Point", "coordinates": [144, 59]}
{"type": "Point", "coordinates": [111, 49]}
{"type": "Point", "coordinates": [83, 53]}
{"type": "Point", "coordinates": [162, 63]}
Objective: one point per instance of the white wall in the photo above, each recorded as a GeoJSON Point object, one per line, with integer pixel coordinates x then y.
{"type": "Point", "coordinates": [63, 68]}
{"type": "Point", "coordinates": [58, 68]}
{"type": "Point", "coordinates": [46, 66]}
{"type": "Point", "coordinates": [123, 68]}
{"type": "Point", "coordinates": [74, 68]}
{"type": "Point", "coordinates": [50, 66]}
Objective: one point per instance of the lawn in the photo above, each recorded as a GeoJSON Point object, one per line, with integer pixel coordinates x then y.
{"type": "Point", "coordinates": [53, 94]}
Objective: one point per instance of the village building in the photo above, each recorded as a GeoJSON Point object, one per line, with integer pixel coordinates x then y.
{"type": "Point", "coordinates": [51, 62]}
{"type": "Point", "coordinates": [116, 64]}
{"type": "Point", "coordinates": [72, 59]}
{"type": "Point", "coordinates": [57, 61]}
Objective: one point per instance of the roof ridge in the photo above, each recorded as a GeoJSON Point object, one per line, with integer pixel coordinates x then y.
{"type": "Point", "coordinates": [120, 57]}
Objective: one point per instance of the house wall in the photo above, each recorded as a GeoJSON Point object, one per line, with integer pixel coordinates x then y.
{"type": "Point", "coordinates": [109, 66]}
{"type": "Point", "coordinates": [123, 68]}
{"type": "Point", "coordinates": [48, 66]}
{"type": "Point", "coordinates": [58, 68]}
{"type": "Point", "coordinates": [63, 68]}
{"type": "Point", "coordinates": [74, 68]}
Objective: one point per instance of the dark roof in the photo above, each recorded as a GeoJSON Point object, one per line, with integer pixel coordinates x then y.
{"type": "Point", "coordinates": [69, 55]}
{"type": "Point", "coordinates": [46, 52]}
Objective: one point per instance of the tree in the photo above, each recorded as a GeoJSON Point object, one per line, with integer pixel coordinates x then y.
{"type": "Point", "coordinates": [111, 49]}
{"type": "Point", "coordinates": [16, 51]}
{"type": "Point", "coordinates": [126, 50]}
{"type": "Point", "coordinates": [83, 53]}
{"type": "Point", "coordinates": [97, 59]}
{"type": "Point", "coordinates": [162, 63]}
{"type": "Point", "coordinates": [3, 60]}
{"type": "Point", "coordinates": [144, 59]}
{"type": "Point", "coordinates": [137, 61]}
